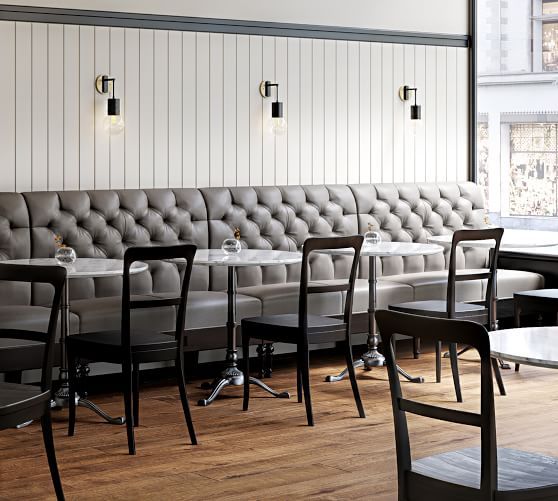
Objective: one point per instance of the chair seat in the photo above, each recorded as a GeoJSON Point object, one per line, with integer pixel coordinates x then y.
{"type": "Point", "coordinates": [21, 396]}
{"type": "Point", "coordinates": [438, 308]}
{"type": "Point", "coordinates": [139, 340]}
{"type": "Point", "coordinates": [517, 470]}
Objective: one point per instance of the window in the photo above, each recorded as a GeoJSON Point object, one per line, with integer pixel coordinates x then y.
{"type": "Point", "coordinates": [550, 46]}
{"type": "Point", "coordinates": [550, 7]}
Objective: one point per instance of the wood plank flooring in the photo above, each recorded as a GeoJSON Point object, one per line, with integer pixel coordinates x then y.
{"type": "Point", "coordinates": [269, 452]}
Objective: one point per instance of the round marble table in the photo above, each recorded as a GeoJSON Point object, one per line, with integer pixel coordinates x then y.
{"type": "Point", "coordinates": [512, 238]}
{"type": "Point", "coordinates": [526, 345]}
{"type": "Point", "coordinates": [373, 358]}
{"type": "Point", "coordinates": [231, 374]}
{"type": "Point", "coordinates": [81, 268]}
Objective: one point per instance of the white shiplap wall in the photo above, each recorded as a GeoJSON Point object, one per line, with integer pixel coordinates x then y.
{"type": "Point", "coordinates": [194, 116]}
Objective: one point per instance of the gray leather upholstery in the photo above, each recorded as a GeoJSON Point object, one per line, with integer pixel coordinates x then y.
{"type": "Point", "coordinates": [104, 223]}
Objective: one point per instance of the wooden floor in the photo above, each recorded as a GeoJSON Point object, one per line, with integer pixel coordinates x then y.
{"type": "Point", "coordinates": [269, 452]}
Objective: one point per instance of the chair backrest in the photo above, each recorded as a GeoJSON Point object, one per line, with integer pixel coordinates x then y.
{"type": "Point", "coordinates": [459, 236]}
{"type": "Point", "coordinates": [183, 255]}
{"type": "Point", "coordinates": [465, 332]}
{"type": "Point", "coordinates": [325, 243]}
{"type": "Point", "coordinates": [56, 277]}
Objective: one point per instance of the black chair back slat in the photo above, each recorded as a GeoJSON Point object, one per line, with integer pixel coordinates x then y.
{"type": "Point", "coordinates": [320, 289]}
{"type": "Point", "coordinates": [390, 324]}
{"type": "Point", "coordinates": [155, 303]}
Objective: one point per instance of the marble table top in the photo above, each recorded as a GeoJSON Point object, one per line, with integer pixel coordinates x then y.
{"type": "Point", "coordinates": [246, 257]}
{"type": "Point", "coordinates": [85, 267]}
{"type": "Point", "coordinates": [389, 249]}
{"type": "Point", "coordinates": [527, 345]}
{"type": "Point", "coordinates": [512, 238]}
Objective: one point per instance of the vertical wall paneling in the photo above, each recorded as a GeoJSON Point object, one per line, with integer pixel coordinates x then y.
{"type": "Point", "coordinates": [268, 139]}
{"type": "Point", "coordinates": [23, 102]}
{"type": "Point", "coordinates": [229, 110]}
{"type": "Point", "coordinates": [86, 108]}
{"type": "Point", "coordinates": [102, 146]}
{"type": "Point", "coordinates": [399, 114]}
{"type": "Point", "coordinates": [55, 107]}
{"type": "Point", "coordinates": [117, 141]}
{"type": "Point", "coordinates": [174, 104]}
{"type": "Point", "coordinates": [364, 113]}
{"type": "Point", "coordinates": [243, 93]}
{"type": "Point", "coordinates": [306, 103]}
{"type": "Point", "coordinates": [194, 115]}
{"type": "Point", "coordinates": [410, 128]}
{"type": "Point", "coordinates": [376, 113]}
{"type": "Point", "coordinates": [293, 118]}
{"type": "Point", "coordinates": [341, 107]}
{"type": "Point", "coordinates": [462, 114]}
{"type": "Point", "coordinates": [132, 108]}
{"type": "Point", "coordinates": [353, 111]}
{"type": "Point", "coordinates": [256, 108]}
{"type": "Point", "coordinates": [330, 102]}
{"type": "Point", "coordinates": [419, 140]}
{"type": "Point", "coordinates": [216, 104]}
{"type": "Point", "coordinates": [389, 94]}
{"type": "Point", "coordinates": [441, 110]}
{"type": "Point", "coordinates": [430, 114]}
{"type": "Point", "coordinates": [8, 106]}
{"type": "Point", "coordinates": [281, 140]}
{"type": "Point", "coordinates": [189, 110]}
{"type": "Point", "coordinates": [161, 109]}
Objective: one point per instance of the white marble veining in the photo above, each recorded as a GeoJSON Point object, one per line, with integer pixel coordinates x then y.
{"type": "Point", "coordinates": [86, 267]}
{"type": "Point", "coordinates": [390, 249]}
{"type": "Point", "coordinates": [246, 257]}
{"type": "Point", "coordinates": [527, 345]}
{"type": "Point", "coordinates": [512, 238]}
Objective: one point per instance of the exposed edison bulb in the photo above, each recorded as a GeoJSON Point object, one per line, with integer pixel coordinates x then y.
{"type": "Point", "coordinates": [114, 124]}
{"type": "Point", "coordinates": [416, 126]}
{"type": "Point", "coordinates": [278, 125]}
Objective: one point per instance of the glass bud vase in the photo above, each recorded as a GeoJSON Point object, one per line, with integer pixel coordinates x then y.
{"type": "Point", "coordinates": [372, 237]}
{"type": "Point", "coordinates": [231, 246]}
{"type": "Point", "coordinates": [65, 255]}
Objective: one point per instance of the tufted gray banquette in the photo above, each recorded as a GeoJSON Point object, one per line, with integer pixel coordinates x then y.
{"type": "Point", "coordinates": [103, 224]}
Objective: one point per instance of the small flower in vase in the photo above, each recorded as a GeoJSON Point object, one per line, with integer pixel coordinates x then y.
{"type": "Point", "coordinates": [232, 245]}
{"type": "Point", "coordinates": [64, 255]}
{"type": "Point", "coordinates": [372, 237]}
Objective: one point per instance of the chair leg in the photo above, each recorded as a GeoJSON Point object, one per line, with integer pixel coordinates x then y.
{"type": "Point", "coordinates": [298, 384]}
{"type": "Point", "coordinates": [127, 375]}
{"type": "Point", "coordinates": [516, 367]}
{"type": "Point", "coordinates": [72, 381]}
{"type": "Point", "coordinates": [304, 367]}
{"type": "Point", "coordinates": [246, 359]}
{"type": "Point", "coordinates": [184, 397]}
{"type": "Point", "coordinates": [438, 361]}
{"type": "Point", "coordinates": [46, 425]}
{"type": "Point", "coordinates": [416, 347]}
{"type": "Point", "coordinates": [352, 378]}
{"type": "Point", "coordinates": [498, 376]}
{"type": "Point", "coordinates": [135, 392]}
{"type": "Point", "coordinates": [455, 371]}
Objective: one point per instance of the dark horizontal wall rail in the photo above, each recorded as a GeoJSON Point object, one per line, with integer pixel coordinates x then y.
{"type": "Point", "coordinates": [152, 21]}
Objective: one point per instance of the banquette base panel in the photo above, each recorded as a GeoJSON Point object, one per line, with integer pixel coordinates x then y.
{"type": "Point", "coordinates": [104, 223]}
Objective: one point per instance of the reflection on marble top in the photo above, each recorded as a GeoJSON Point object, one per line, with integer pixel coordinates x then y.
{"type": "Point", "coordinates": [85, 267]}
{"type": "Point", "coordinates": [246, 257]}
{"type": "Point", "coordinates": [527, 345]}
{"type": "Point", "coordinates": [512, 238]}
{"type": "Point", "coordinates": [388, 249]}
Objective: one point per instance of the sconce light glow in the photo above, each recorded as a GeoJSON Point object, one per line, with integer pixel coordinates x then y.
{"type": "Point", "coordinates": [113, 122]}
{"type": "Point", "coordinates": [278, 121]}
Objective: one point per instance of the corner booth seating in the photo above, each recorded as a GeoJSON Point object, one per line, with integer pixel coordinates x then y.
{"type": "Point", "coordinates": [103, 223]}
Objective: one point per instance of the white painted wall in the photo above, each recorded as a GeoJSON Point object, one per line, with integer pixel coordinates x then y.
{"type": "Point", "coordinates": [194, 115]}
{"type": "Point", "coordinates": [436, 16]}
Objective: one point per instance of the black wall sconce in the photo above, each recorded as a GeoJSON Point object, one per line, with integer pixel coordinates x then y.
{"type": "Point", "coordinates": [113, 123]}
{"type": "Point", "coordinates": [278, 122]}
{"type": "Point", "coordinates": [405, 95]}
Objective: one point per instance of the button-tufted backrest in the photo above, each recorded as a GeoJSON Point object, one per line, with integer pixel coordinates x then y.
{"type": "Point", "coordinates": [280, 218]}
{"type": "Point", "coordinates": [103, 224]}
{"type": "Point", "coordinates": [14, 244]}
{"type": "Point", "coordinates": [412, 212]}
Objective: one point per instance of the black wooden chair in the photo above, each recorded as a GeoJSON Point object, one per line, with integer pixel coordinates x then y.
{"type": "Point", "coordinates": [130, 348]}
{"type": "Point", "coordinates": [303, 328]}
{"type": "Point", "coordinates": [451, 308]}
{"type": "Point", "coordinates": [20, 403]}
{"type": "Point", "coordinates": [486, 473]}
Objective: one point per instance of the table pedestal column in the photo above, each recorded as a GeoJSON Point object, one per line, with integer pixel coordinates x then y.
{"type": "Point", "coordinates": [231, 374]}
